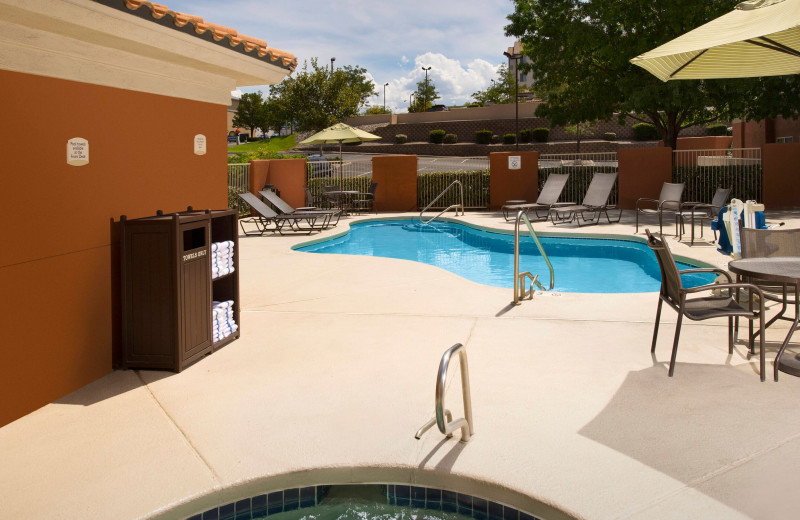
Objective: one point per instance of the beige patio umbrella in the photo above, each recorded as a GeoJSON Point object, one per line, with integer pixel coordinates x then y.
{"type": "Point", "coordinates": [757, 38]}
{"type": "Point", "coordinates": [340, 133]}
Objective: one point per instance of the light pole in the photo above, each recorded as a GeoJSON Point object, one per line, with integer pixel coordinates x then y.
{"type": "Point", "coordinates": [332, 60]}
{"type": "Point", "coordinates": [516, 58]}
{"type": "Point", "coordinates": [425, 106]}
{"type": "Point", "coordinates": [384, 97]}
{"type": "Point", "coordinates": [410, 101]}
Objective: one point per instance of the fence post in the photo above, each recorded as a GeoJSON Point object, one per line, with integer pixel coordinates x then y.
{"type": "Point", "coordinates": [396, 176]}
{"type": "Point", "coordinates": [642, 172]}
{"type": "Point", "coordinates": [518, 184]}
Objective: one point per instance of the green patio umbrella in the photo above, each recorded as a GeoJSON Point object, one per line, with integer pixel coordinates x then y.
{"type": "Point", "coordinates": [757, 38]}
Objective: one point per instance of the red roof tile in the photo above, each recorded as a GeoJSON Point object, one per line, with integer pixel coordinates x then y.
{"type": "Point", "coordinates": [191, 24]}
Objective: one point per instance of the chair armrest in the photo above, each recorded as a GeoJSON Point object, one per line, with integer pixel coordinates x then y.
{"type": "Point", "coordinates": [708, 270]}
{"type": "Point", "coordinates": [665, 202]}
{"type": "Point", "coordinates": [645, 199]}
{"type": "Point", "coordinates": [749, 286]}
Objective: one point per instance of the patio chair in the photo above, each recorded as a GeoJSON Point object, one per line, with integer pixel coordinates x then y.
{"type": "Point", "coordinates": [595, 202]}
{"type": "Point", "coordinates": [692, 211]}
{"type": "Point", "coordinates": [366, 201]}
{"type": "Point", "coordinates": [669, 201]}
{"type": "Point", "coordinates": [702, 307]}
{"type": "Point", "coordinates": [331, 199]}
{"type": "Point", "coordinates": [765, 243]}
{"type": "Point", "coordinates": [284, 208]}
{"type": "Point", "coordinates": [265, 216]}
{"type": "Point", "coordinates": [309, 201]}
{"type": "Point", "coordinates": [548, 198]}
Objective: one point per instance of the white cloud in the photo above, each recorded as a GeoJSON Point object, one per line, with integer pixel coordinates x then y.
{"type": "Point", "coordinates": [463, 42]}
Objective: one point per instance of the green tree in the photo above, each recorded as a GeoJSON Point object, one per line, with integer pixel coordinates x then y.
{"type": "Point", "coordinates": [424, 96]}
{"type": "Point", "coordinates": [579, 51]}
{"type": "Point", "coordinates": [251, 113]}
{"type": "Point", "coordinates": [499, 91]}
{"type": "Point", "coordinates": [317, 98]}
{"type": "Point", "coordinates": [377, 110]}
{"type": "Point", "coordinates": [580, 130]}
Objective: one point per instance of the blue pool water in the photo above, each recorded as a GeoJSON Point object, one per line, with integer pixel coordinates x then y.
{"type": "Point", "coordinates": [580, 264]}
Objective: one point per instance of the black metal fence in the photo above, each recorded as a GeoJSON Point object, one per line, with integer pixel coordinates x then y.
{"type": "Point", "coordinates": [702, 171]}
{"type": "Point", "coordinates": [581, 168]}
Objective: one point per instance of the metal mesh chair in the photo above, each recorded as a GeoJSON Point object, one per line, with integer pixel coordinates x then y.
{"type": "Point", "coordinates": [366, 201]}
{"type": "Point", "coordinates": [669, 201]}
{"type": "Point", "coordinates": [703, 307]}
{"type": "Point", "coordinates": [595, 202]}
{"type": "Point", "coordinates": [766, 243]}
{"type": "Point", "coordinates": [548, 197]}
{"type": "Point", "coordinates": [692, 211]}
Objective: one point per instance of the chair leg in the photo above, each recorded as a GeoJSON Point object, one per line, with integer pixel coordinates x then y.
{"type": "Point", "coordinates": [637, 220]}
{"type": "Point", "coordinates": [730, 334]}
{"type": "Point", "coordinates": [655, 329]}
{"type": "Point", "coordinates": [660, 223]}
{"type": "Point", "coordinates": [675, 344]}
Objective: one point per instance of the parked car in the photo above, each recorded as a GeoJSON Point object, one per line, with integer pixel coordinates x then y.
{"type": "Point", "coordinates": [438, 108]}
{"type": "Point", "coordinates": [319, 166]}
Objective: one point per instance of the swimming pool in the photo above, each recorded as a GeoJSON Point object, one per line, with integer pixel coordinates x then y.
{"type": "Point", "coordinates": [590, 265]}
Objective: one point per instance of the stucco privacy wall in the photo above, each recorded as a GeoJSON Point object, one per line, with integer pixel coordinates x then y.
{"type": "Point", "coordinates": [59, 263]}
{"type": "Point", "coordinates": [396, 176]}
{"type": "Point", "coordinates": [781, 180]}
{"type": "Point", "coordinates": [518, 184]}
{"type": "Point", "coordinates": [642, 173]}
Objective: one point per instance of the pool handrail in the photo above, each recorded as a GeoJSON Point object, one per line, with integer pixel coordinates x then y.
{"type": "Point", "coordinates": [519, 278]}
{"type": "Point", "coordinates": [448, 208]}
{"type": "Point", "coordinates": [448, 426]}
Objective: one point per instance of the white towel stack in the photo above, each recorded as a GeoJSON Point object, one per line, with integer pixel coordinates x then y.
{"type": "Point", "coordinates": [221, 258]}
{"type": "Point", "coordinates": [222, 319]}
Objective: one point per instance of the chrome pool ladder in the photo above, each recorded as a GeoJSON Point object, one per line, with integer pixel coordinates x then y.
{"type": "Point", "coordinates": [519, 278]}
{"type": "Point", "coordinates": [448, 208]}
{"type": "Point", "coordinates": [449, 426]}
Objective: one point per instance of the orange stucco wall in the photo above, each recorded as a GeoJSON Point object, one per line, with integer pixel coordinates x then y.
{"type": "Point", "coordinates": [642, 172]}
{"type": "Point", "coordinates": [287, 175]}
{"type": "Point", "coordinates": [396, 176]}
{"type": "Point", "coordinates": [781, 179]}
{"type": "Point", "coordinates": [59, 263]}
{"type": "Point", "coordinates": [506, 184]}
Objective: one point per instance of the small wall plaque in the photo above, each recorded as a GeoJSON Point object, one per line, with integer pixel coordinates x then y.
{"type": "Point", "coordinates": [514, 162]}
{"type": "Point", "coordinates": [199, 144]}
{"type": "Point", "coordinates": [77, 151]}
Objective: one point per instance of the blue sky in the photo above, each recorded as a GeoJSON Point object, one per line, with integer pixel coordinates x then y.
{"type": "Point", "coordinates": [462, 42]}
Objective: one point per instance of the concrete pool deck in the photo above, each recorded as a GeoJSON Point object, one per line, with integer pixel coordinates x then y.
{"type": "Point", "coordinates": [334, 373]}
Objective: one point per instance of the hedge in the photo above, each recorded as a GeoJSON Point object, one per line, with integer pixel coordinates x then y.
{"type": "Point", "coordinates": [483, 136]}
{"type": "Point", "coordinates": [436, 136]}
{"type": "Point", "coordinates": [541, 135]}
{"type": "Point", "coordinates": [645, 132]}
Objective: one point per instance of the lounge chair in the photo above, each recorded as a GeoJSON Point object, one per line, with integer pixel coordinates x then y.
{"type": "Point", "coordinates": [595, 202]}
{"type": "Point", "coordinates": [692, 211]}
{"type": "Point", "coordinates": [669, 201]}
{"type": "Point", "coordinates": [704, 307]}
{"type": "Point", "coordinates": [284, 208]}
{"type": "Point", "coordinates": [548, 198]}
{"type": "Point", "coordinates": [265, 216]}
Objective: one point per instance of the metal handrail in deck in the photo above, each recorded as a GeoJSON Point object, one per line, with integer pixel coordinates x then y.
{"type": "Point", "coordinates": [448, 426]}
{"type": "Point", "coordinates": [519, 278]}
{"type": "Point", "coordinates": [448, 208]}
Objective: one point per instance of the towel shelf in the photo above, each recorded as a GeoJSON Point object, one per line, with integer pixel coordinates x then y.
{"type": "Point", "coordinates": [167, 287]}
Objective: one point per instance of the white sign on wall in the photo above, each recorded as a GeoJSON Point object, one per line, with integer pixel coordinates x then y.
{"type": "Point", "coordinates": [77, 151]}
{"type": "Point", "coordinates": [199, 144]}
{"type": "Point", "coordinates": [514, 162]}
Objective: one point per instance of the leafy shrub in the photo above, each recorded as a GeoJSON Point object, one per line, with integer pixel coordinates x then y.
{"type": "Point", "coordinates": [436, 136]}
{"type": "Point", "coordinates": [245, 157]}
{"type": "Point", "coordinates": [400, 138]}
{"type": "Point", "coordinates": [509, 138]}
{"type": "Point", "coordinates": [450, 138]}
{"type": "Point", "coordinates": [483, 136]}
{"type": "Point", "coordinates": [610, 136]}
{"type": "Point", "coordinates": [717, 129]}
{"type": "Point", "coordinates": [645, 132]}
{"type": "Point", "coordinates": [495, 138]}
{"type": "Point", "coordinates": [525, 136]}
{"type": "Point", "coordinates": [541, 135]}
